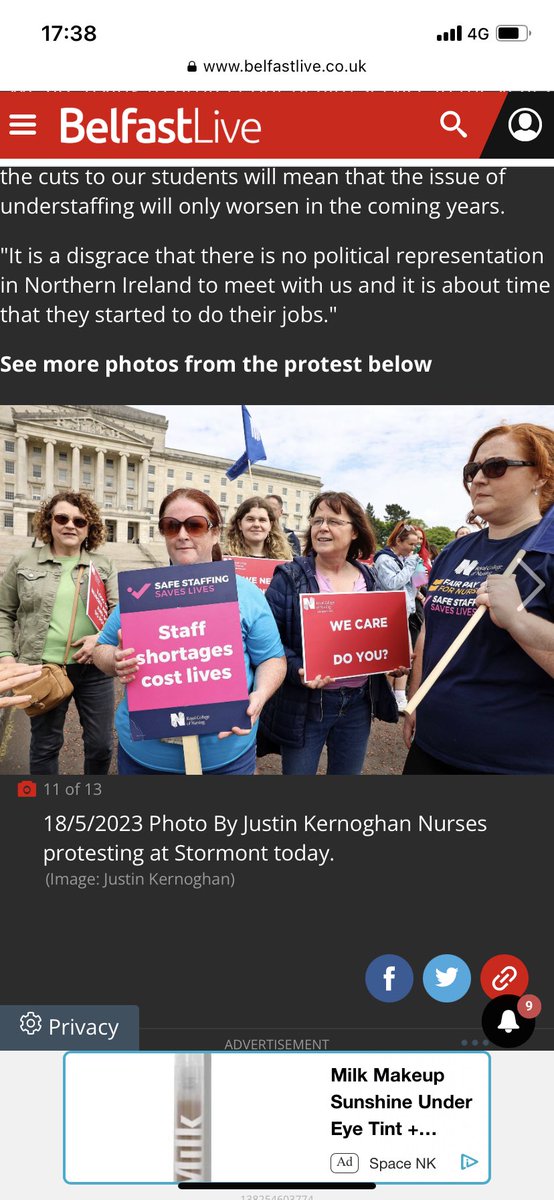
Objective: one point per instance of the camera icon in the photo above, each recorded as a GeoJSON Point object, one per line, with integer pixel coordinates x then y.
{"type": "Point", "coordinates": [26, 788]}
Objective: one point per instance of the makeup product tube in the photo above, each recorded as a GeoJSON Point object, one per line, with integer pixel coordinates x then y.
{"type": "Point", "coordinates": [192, 1118]}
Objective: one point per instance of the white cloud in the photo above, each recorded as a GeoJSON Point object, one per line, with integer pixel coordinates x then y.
{"type": "Point", "coordinates": [408, 454]}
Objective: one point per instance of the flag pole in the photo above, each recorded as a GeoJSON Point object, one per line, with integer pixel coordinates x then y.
{"type": "Point", "coordinates": [458, 641]}
{"type": "Point", "coordinates": [250, 474]}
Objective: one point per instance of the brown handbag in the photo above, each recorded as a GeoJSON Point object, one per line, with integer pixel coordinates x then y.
{"type": "Point", "coordinates": [53, 684]}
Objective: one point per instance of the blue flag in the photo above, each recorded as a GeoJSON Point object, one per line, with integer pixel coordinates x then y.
{"type": "Point", "coordinates": [542, 536]}
{"type": "Point", "coordinates": [254, 447]}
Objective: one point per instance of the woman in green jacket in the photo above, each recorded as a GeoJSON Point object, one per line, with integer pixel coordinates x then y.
{"type": "Point", "coordinates": [36, 595]}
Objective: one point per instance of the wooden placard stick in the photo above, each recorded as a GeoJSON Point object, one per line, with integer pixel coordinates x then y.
{"type": "Point", "coordinates": [191, 752]}
{"type": "Point", "coordinates": [458, 641]}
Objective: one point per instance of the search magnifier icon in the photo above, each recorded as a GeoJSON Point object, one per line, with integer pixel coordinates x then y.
{"type": "Point", "coordinates": [455, 126]}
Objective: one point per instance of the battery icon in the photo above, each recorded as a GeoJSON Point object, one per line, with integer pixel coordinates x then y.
{"type": "Point", "coordinates": [512, 33]}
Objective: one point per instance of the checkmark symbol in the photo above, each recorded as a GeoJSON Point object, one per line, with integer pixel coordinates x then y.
{"type": "Point", "coordinates": [138, 595]}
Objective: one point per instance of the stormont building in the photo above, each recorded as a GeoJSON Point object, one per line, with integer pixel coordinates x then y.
{"type": "Point", "coordinates": [118, 456]}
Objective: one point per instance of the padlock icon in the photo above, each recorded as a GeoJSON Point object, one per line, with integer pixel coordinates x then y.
{"type": "Point", "coordinates": [192, 65]}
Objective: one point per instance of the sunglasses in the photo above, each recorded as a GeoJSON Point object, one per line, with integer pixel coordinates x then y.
{"type": "Point", "coordinates": [493, 468]}
{"type": "Point", "coordinates": [195, 526]}
{"type": "Point", "coordinates": [78, 522]}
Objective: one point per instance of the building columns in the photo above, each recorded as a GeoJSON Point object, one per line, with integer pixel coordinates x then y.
{"type": "Point", "coordinates": [75, 468]}
{"type": "Point", "coordinates": [21, 467]}
{"type": "Point", "coordinates": [49, 477]}
{"type": "Point", "coordinates": [99, 476]}
{"type": "Point", "coordinates": [121, 529]}
{"type": "Point", "coordinates": [143, 483]}
{"type": "Point", "coordinates": [123, 458]}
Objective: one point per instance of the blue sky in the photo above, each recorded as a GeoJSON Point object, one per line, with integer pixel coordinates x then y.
{"type": "Point", "coordinates": [408, 454]}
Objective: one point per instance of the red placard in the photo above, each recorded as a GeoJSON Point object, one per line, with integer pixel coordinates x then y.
{"type": "Point", "coordinates": [346, 634]}
{"type": "Point", "coordinates": [259, 570]}
{"type": "Point", "coordinates": [97, 600]}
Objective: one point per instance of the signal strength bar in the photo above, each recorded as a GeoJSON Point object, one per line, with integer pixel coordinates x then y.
{"type": "Point", "coordinates": [450, 35]}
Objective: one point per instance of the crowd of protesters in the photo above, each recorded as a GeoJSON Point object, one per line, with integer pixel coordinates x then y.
{"type": "Point", "coordinates": [489, 711]}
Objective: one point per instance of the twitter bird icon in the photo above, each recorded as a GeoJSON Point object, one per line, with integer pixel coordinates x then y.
{"type": "Point", "coordinates": [447, 978]}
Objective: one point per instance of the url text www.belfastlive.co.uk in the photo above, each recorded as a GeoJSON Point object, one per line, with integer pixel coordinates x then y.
{"type": "Point", "coordinates": [295, 66]}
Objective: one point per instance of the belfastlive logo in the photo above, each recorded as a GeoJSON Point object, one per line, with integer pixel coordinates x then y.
{"type": "Point", "coordinates": [195, 126]}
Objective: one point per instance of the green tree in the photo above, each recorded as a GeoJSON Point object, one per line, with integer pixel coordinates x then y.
{"type": "Point", "coordinates": [395, 513]}
{"type": "Point", "coordinates": [377, 525]}
{"type": "Point", "coordinates": [440, 535]}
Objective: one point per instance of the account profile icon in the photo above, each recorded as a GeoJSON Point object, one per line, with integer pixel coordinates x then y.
{"type": "Point", "coordinates": [525, 124]}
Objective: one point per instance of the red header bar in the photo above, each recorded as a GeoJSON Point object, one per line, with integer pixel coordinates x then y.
{"type": "Point", "coordinates": [246, 125]}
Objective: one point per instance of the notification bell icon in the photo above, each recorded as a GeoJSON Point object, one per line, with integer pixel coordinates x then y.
{"type": "Point", "coordinates": [504, 1024]}
{"type": "Point", "coordinates": [508, 1022]}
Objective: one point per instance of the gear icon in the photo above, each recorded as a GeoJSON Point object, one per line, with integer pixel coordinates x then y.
{"type": "Point", "coordinates": [30, 1023]}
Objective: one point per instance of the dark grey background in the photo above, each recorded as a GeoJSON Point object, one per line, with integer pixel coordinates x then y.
{"type": "Point", "coordinates": [492, 346]}
{"type": "Point", "coordinates": [284, 953]}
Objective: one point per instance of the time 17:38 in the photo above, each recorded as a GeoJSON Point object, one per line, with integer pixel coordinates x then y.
{"type": "Point", "coordinates": [71, 33]}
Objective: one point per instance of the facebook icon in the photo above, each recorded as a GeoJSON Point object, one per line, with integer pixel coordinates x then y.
{"type": "Point", "coordinates": [389, 978]}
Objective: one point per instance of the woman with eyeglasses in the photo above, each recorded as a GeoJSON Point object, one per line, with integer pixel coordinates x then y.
{"type": "Point", "coordinates": [37, 594]}
{"type": "Point", "coordinates": [254, 532]}
{"type": "Point", "coordinates": [191, 524]}
{"type": "Point", "coordinates": [304, 716]}
{"type": "Point", "coordinates": [399, 568]}
{"type": "Point", "coordinates": [491, 711]}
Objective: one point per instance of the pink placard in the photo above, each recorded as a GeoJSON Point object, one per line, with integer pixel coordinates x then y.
{"type": "Point", "coordinates": [189, 656]}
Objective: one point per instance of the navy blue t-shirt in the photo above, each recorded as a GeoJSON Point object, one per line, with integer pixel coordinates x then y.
{"type": "Point", "coordinates": [492, 709]}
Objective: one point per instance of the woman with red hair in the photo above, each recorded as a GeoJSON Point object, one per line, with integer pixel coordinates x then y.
{"type": "Point", "coordinates": [491, 711]}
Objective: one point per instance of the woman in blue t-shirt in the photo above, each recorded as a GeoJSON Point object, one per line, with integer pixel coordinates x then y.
{"type": "Point", "coordinates": [491, 711]}
{"type": "Point", "coordinates": [191, 524]}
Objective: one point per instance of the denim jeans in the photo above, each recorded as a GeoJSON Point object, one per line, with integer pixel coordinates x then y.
{"type": "Point", "coordinates": [344, 729]}
{"type": "Point", "coordinates": [94, 697]}
{"type": "Point", "coordinates": [244, 765]}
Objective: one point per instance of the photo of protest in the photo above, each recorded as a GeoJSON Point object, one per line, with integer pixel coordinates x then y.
{"type": "Point", "coordinates": [272, 590]}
